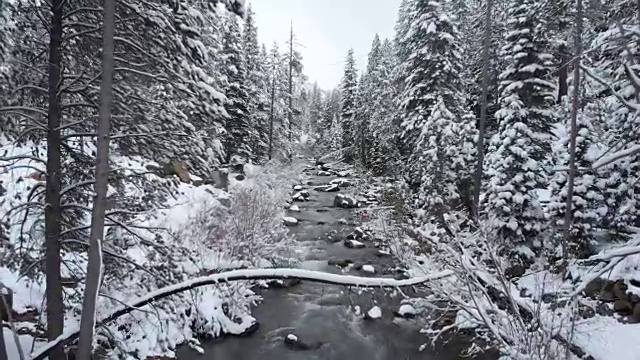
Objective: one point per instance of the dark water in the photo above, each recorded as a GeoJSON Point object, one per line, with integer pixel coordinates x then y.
{"type": "Point", "coordinates": [325, 314]}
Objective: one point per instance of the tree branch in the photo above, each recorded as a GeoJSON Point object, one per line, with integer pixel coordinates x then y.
{"type": "Point", "coordinates": [237, 275]}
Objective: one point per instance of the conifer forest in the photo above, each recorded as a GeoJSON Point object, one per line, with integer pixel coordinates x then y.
{"type": "Point", "coordinates": [173, 186]}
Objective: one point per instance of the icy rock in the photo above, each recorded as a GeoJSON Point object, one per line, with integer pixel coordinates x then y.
{"type": "Point", "coordinates": [345, 201]}
{"type": "Point", "coordinates": [332, 188]}
{"type": "Point", "coordinates": [250, 330]}
{"type": "Point", "coordinates": [293, 342]}
{"type": "Point", "coordinates": [373, 313]}
{"type": "Point", "coordinates": [368, 268]}
{"type": "Point", "coordinates": [339, 262]}
{"type": "Point", "coordinates": [353, 244]}
{"type": "Point", "coordinates": [301, 196]}
{"type": "Point", "coordinates": [344, 173]}
{"type": "Point", "coordinates": [324, 173]}
{"type": "Point", "coordinates": [290, 221]}
{"type": "Point", "coordinates": [406, 311]}
{"type": "Point", "coordinates": [343, 221]}
{"type": "Point", "coordinates": [283, 284]}
{"type": "Point", "coordinates": [297, 187]}
{"type": "Point", "coordinates": [295, 208]}
{"type": "Point", "coordinates": [383, 253]}
{"type": "Point", "coordinates": [341, 182]}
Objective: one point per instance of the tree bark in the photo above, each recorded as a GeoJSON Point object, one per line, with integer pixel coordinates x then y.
{"type": "Point", "coordinates": [273, 97]}
{"type": "Point", "coordinates": [575, 107]}
{"type": "Point", "coordinates": [53, 211]}
{"type": "Point", "coordinates": [94, 266]}
{"type": "Point", "coordinates": [483, 110]}
{"type": "Point", "coordinates": [289, 134]}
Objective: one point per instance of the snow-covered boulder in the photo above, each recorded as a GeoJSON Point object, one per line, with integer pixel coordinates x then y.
{"type": "Point", "coordinates": [295, 343]}
{"type": "Point", "coordinates": [290, 221]}
{"type": "Point", "coordinates": [294, 208]}
{"type": "Point", "coordinates": [332, 188]}
{"type": "Point", "coordinates": [341, 182]}
{"type": "Point", "coordinates": [301, 196]}
{"type": "Point", "coordinates": [406, 311]}
{"type": "Point", "coordinates": [327, 188]}
{"type": "Point", "coordinates": [353, 244]}
{"type": "Point", "coordinates": [297, 187]}
{"type": "Point", "coordinates": [342, 263]}
{"type": "Point", "coordinates": [345, 201]}
{"type": "Point", "coordinates": [369, 269]}
{"type": "Point", "coordinates": [383, 253]}
{"type": "Point", "coordinates": [373, 313]}
{"type": "Point", "coordinates": [324, 173]}
{"type": "Point", "coordinates": [343, 221]}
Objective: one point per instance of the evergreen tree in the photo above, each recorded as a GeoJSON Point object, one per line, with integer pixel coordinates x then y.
{"type": "Point", "coordinates": [315, 109]}
{"type": "Point", "coordinates": [434, 71]}
{"type": "Point", "coordinates": [234, 67]}
{"type": "Point", "coordinates": [384, 154]}
{"type": "Point", "coordinates": [588, 199]}
{"type": "Point", "coordinates": [258, 99]}
{"type": "Point", "coordinates": [348, 106]}
{"type": "Point", "coordinates": [515, 161]}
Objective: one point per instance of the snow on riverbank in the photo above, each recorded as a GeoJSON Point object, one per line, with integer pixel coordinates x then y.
{"type": "Point", "coordinates": [170, 231]}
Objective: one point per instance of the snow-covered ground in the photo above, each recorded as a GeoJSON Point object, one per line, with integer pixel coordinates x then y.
{"type": "Point", "coordinates": [193, 231]}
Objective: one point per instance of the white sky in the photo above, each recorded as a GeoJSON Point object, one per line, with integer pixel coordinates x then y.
{"type": "Point", "coordinates": [325, 30]}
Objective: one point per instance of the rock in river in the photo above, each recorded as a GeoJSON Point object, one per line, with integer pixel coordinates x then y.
{"type": "Point", "coordinates": [345, 201]}
{"type": "Point", "coordinates": [353, 244]}
{"type": "Point", "coordinates": [339, 262]}
{"type": "Point", "coordinates": [406, 311]}
{"type": "Point", "coordinates": [293, 342]}
{"type": "Point", "coordinates": [290, 221]}
{"type": "Point", "coordinates": [374, 313]}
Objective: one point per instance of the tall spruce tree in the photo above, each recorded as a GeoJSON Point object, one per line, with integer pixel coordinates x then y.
{"type": "Point", "coordinates": [348, 107]}
{"type": "Point", "coordinates": [234, 68]}
{"type": "Point", "coordinates": [434, 69]}
{"type": "Point", "coordinates": [516, 156]}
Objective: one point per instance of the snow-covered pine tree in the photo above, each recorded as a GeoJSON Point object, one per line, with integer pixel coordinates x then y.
{"type": "Point", "coordinates": [327, 132]}
{"type": "Point", "coordinates": [257, 89]}
{"type": "Point", "coordinates": [6, 30]}
{"type": "Point", "coordinates": [383, 152]}
{"type": "Point", "coordinates": [370, 84]}
{"type": "Point", "coordinates": [278, 95]}
{"type": "Point", "coordinates": [315, 109]}
{"type": "Point", "coordinates": [234, 68]}
{"type": "Point", "coordinates": [434, 71]}
{"type": "Point", "coordinates": [588, 200]}
{"type": "Point", "coordinates": [348, 107]}
{"type": "Point", "coordinates": [615, 69]}
{"type": "Point", "coordinates": [514, 162]}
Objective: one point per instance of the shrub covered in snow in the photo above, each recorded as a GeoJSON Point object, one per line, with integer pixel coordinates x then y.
{"type": "Point", "coordinates": [159, 231]}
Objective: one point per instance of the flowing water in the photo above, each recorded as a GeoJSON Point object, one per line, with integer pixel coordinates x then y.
{"type": "Point", "coordinates": [325, 316]}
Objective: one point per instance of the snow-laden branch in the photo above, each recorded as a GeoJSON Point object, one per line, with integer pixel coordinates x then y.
{"type": "Point", "coordinates": [625, 102]}
{"type": "Point", "coordinates": [615, 156]}
{"type": "Point", "coordinates": [236, 275]}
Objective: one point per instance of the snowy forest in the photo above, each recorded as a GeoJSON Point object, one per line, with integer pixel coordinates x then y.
{"type": "Point", "coordinates": [172, 187]}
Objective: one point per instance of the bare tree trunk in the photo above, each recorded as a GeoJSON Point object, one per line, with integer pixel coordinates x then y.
{"type": "Point", "coordinates": [273, 97]}
{"type": "Point", "coordinates": [290, 85]}
{"type": "Point", "coordinates": [483, 110]}
{"type": "Point", "coordinates": [53, 211]}
{"type": "Point", "coordinates": [94, 266]}
{"type": "Point", "coordinates": [575, 107]}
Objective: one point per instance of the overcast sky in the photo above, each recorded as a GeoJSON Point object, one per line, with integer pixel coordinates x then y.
{"type": "Point", "coordinates": [325, 30]}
